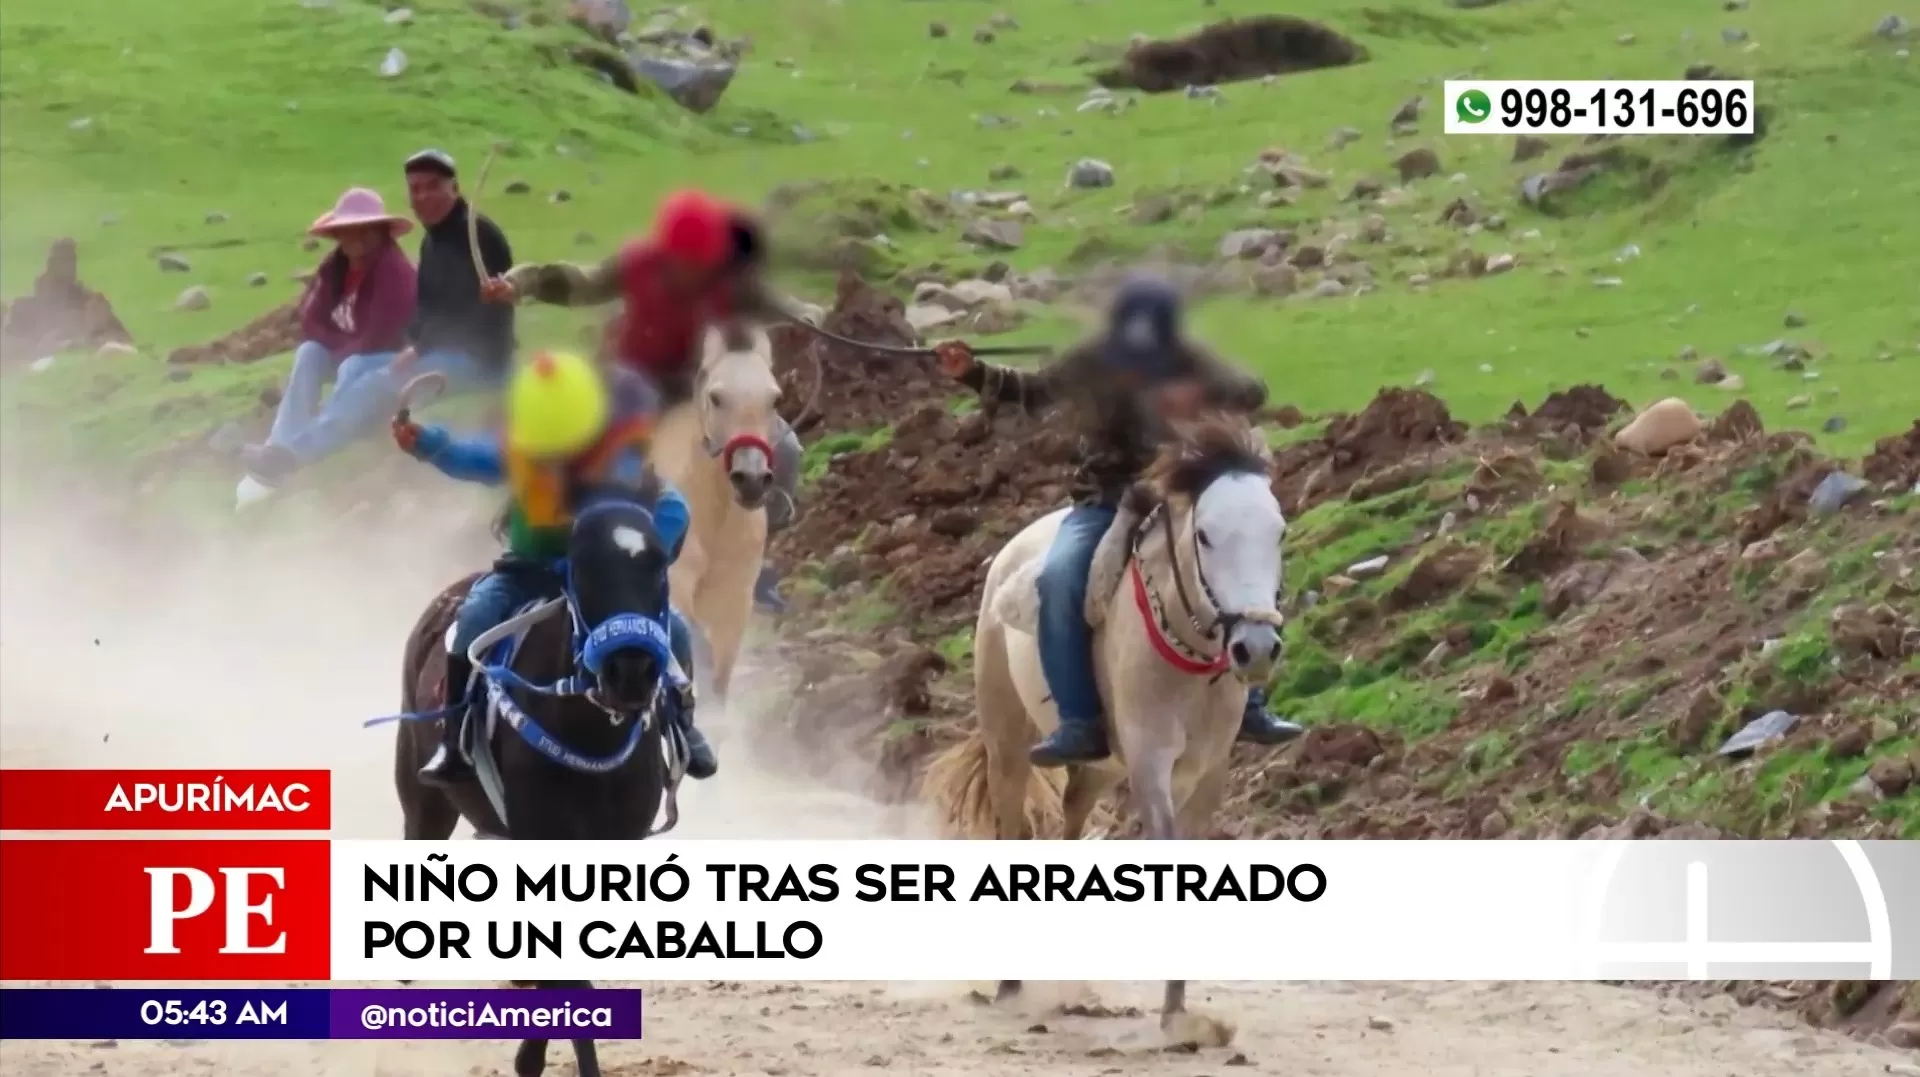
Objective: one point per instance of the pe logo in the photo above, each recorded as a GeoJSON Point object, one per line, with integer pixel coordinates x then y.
{"type": "Point", "coordinates": [1750, 910]}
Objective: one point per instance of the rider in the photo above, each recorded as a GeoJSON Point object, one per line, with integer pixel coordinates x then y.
{"type": "Point", "coordinates": [701, 264]}
{"type": "Point", "coordinates": [571, 432]}
{"type": "Point", "coordinates": [1122, 385]}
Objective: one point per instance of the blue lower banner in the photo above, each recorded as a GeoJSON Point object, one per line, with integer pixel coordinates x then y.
{"type": "Point", "coordinates": [317, 1013]}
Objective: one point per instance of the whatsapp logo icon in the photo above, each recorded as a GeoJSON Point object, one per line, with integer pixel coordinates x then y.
{"type": "Point", "coordinates": [1472, 106]}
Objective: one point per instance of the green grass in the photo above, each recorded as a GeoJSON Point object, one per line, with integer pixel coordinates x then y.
{"type": "Point", "coordinates": [189, 111]}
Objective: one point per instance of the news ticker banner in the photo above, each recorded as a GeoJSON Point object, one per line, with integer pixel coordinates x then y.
{"type": "Point", "coordinates": [280, 1013]}
{"type": "Point", "coordinates": [279, 910]}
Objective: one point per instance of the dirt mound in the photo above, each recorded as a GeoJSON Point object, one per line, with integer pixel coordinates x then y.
{"type": "Point", "coordinates": [1397, 425]}
{"type": "Point", "coordinates": [1896, 459]}
{"type": "Point", "coordinates": [926, 511]}
{"type": "Point", "coordinates": [60, 313]}
{"type": "Point", "coordinates": [833, 386]}
{"type": "Point", "coordinates": [1231, 51]}
{"type": "Point", "coordinates": [272, 333]}
{"type": "Point", "coordinates": [1587, 408]}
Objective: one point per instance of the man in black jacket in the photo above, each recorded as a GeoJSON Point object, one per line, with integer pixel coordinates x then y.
{"type": "Point", "coordinates": [454, 332]}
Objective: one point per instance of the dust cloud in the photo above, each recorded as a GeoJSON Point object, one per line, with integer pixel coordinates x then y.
{"type": "Point", "coordinates": [128, 642]}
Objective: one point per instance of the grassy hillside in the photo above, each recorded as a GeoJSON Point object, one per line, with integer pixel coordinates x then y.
{"type": "Point", "coordinates": [153, 117]}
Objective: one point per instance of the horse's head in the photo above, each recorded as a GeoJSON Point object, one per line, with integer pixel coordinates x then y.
{"type": "Point", "coordinates": [1226, 528]}
{"type": "Point", "coordinates": [618, 569]}
{"type": "Point", "coordinates": [737, 392]}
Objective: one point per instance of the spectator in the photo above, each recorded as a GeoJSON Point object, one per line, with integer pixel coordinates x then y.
{"type": "Point", "coordinates": [353, 322]}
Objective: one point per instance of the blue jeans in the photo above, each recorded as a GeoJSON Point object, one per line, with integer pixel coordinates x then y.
{"type": "Point", "coordinates": [1066, 642]}
{"type": "Point", "coordinates": [365, 396]}
{"type": "Point", "coordinates": [494, 597]}
{"type": "Point", "coordinates": [313, 367]}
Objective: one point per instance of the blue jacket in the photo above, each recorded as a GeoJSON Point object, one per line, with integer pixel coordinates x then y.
{"type": "Point", "coordinates": [480, 459]}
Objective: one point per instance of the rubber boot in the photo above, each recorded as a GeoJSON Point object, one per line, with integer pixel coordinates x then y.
{"type": "Point", "coordinates": [766, 592]}
{"type": "Point", "coordinates": [1081, 740]}
{"type": "Point", "coordinates": [701, 762]}
{"type": "Point", "coordinates": [449, 765]}
{"type": "Point", "coordinates": [1259, 727]}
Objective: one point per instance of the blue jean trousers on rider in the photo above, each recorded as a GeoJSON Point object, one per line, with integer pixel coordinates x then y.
{"type": "Point", "coordinates": [1066, 641]}
{"type": "Point", "coordinates": [364, 398]}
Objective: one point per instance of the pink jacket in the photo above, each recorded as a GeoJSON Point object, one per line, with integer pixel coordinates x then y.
{"type": "Point", "coordinates": [374, 319]}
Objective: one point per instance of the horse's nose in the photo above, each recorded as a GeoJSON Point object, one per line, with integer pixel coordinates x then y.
{"type": "Point", "coordinates": [750, 486]}
{"type": "Point", "coordinates": [1254, 647]}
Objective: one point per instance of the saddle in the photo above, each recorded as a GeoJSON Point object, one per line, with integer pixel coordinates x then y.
{"type": "Point", "coordinates": [1017, 603]}
{"type": "Point", "coordinates": [503, 644]}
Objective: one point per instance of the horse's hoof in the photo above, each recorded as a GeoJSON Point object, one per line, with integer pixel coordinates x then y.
{"type": "Point", "coordinates": [1189, 1031]}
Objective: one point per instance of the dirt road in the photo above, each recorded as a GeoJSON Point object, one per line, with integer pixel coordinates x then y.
{"type": "Point", "coordinates": [274, 658]}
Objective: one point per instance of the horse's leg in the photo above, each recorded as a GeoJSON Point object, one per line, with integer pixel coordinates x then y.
{"type": "Point", "coordinates": [531, 1059]}
{"type": "Point", "coordinates": [728, 602]}
{"type": "Point", "coordinates": [1174, 1002]}
{"type": "Point", "coordinates": [1005, 731]}
{"type": "Point", "coordinates": [1085, 787]}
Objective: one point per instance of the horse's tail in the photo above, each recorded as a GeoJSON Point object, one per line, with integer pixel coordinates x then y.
{"type": "Point", "coordinates": [956, 785]}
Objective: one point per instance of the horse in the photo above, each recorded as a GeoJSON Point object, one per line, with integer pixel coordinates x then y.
{"type": "Point", "coordinates": [580, 743]}
{"type": "Point", "coordinates": [1198, 543]}
{"type": "Point", "coordinates": [726, 481]}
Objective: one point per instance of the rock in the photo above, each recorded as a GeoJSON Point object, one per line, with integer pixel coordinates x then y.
{"type": "Point", "coordinates": [1890, 26]}
{"type": "Point", "coordinates": [1733, 35]}
{"type": "Point", "coordinates": [695, 84]}
{"type": "Point", "coordinates": [1710, 371]}
{"type": "Point", "coordinates": [1834, 492]}
{"type": "Point", "coordinates": [937, 29]}
{"type": "Point", "coordinates": [1003, 21]}
{"type": "Point", "coordinates": [194, 298]}
{"type": "Point", "coordinates": [1249, 242]}
{"type": "Point", "coordinates": [1276, 280]}
{"type": "Point", "coordinates": [927, 316]}
{"type": "Point", "coordinates": [1624, 39]}
{"type": "Point", "coordinates": [994, 235]}
{"type": "Point", "coordinates": [983, 36]}
{"type": "Point", "coordinates": [1372, 566]}
{"type": "Point", "coordinates": [1089, 173]}
{"type": "Point", "coordinates": [1833, 425]}
{"type": "Point", "coordinates": [1732, 383]}
{"type": "Point", "coordinates": [1002, 173]}
{"type": "Point", "coordinates": [1373, 228]}
{"type": "Point", "coordinates": [562, 195]}
{"type": "Point", "coordinates": [170, 262]}
{"type": "Point", "coordinates": [394, 64]}
{"type": "Point", "coordinates": [1659, 428]}
{"type": "Point", "coordinates": [1365, 189]}
{"type": "Point", "coordinates": [257, 280]}
{"type": "Point", "coordinates": [1769, 727]}
{"type": "Point", "coordinates": [1343, 137]}
{"type": "Point", "coordinates": [1500, 263]}
{"type": "Point", "coordinates": [399, 16]}
{"type": "Point", "coordinates": [1417, 164]}
{"type": "Point", "coordinates": [1794, 320]}
{"type": "Point", "coordinates": [1407, 114]}
{"type": "Point", "coordinates": [1796, 403]}
{"type": "Point", "coordinates": [1527, 147]}
{"type": "Point", "coordinates": [518, 186]}
{"type": "Point", "coordinates": [1379, 1024]}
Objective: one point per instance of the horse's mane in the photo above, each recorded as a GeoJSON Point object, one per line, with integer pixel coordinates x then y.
{"type": "Point", "coordinates": [1200, 452]}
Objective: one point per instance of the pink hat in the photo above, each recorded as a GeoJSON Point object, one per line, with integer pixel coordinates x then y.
{"type": "Point", "coordinates": [359, 206]}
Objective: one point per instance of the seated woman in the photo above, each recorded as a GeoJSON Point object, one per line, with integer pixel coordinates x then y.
{"type": "Point", "coordinates": [353, 321]}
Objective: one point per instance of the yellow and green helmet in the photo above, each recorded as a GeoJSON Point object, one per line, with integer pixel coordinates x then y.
{"type": "Point", "coordinates": [558, 404]}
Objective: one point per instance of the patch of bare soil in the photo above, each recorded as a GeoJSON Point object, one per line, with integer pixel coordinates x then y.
{"type": "Point", "coordinates": [273, 333]}
{"type": "Point", "coordinates": [1231, 51]}
{"type": "Point", "coordinates": [60, 314]}
{"type": "Point", "coordinates": [1397, 426]}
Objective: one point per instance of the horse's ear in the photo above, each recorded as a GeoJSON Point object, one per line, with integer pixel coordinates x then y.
{"type": "Point", "coordinates": [763, 344]}
{"type": "Point", "coordinates": [713, 345]}
{"type": "Point", "coordinates": [1140, 499]}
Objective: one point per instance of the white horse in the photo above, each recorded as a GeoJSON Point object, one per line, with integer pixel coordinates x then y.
{"type": "Point", "coordinates": [1176, 646]}
{"type": "Point", "coordinates": [717, 449]}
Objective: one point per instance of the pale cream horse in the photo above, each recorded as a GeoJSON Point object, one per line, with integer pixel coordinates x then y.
{"type": "Point", "coordinates": [717, 449]}
{"type": "Point", "coordinates": [1182, 599]}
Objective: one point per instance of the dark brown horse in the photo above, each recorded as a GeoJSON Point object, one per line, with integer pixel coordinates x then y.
{"type": "Point", "coordinates": [586, 704]}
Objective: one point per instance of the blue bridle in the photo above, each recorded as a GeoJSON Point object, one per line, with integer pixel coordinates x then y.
{"type": "Point", "coordinates": [590, 648]}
